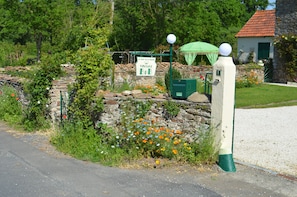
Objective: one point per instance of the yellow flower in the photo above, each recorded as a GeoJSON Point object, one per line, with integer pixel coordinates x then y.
{"type": "Point", "coordinates": [175, 142]}
{"type": "Point", "coordinates": [185, 144]}
{"type": "Point", "coordinates": [158, 162]}
{"type": "Point", "coordinates": [189, 148]}
{"type": "Point", "coordinates": [167, 139]}
{"type": "Point", "coordinates": [174, 151]}
{"type": "Point", "coordinates": [163, 149]}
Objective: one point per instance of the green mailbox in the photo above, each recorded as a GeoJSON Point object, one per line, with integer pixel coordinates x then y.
{"type": "Point", "coordinates": [183, 88]}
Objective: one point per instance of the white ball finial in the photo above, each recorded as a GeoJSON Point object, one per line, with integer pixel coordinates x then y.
{"type": "Point", "coordinates": [171, 38]}
{"type": "Point", "coordinates": [225, 49]}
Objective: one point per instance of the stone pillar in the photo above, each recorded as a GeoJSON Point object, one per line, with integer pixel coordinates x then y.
{"type": "Point", "coordinates": [222, 107]}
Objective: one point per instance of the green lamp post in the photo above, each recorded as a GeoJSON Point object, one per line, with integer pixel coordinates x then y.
{"type": "Point", "coordinates": [171, 38]}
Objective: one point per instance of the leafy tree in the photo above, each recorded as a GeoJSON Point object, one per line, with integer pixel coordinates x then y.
{"type": "Point", "coordinates": [143, 25]}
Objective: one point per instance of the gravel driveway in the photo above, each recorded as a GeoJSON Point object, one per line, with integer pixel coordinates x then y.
{"type": "Point", "coordinates": [267, 138]}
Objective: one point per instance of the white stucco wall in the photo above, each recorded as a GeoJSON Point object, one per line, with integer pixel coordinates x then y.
{"type": "Point", "coordinates": [251, 44]}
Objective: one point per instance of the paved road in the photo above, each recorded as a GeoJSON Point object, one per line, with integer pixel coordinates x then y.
{"type": "Point", "coordinates": [28, 171]}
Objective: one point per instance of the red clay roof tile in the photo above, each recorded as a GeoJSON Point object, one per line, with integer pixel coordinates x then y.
{"type": "Point", "coordinates": [261, 24]}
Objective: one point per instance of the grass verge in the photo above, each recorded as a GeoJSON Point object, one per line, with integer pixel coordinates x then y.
{"type": "Point", "coordinates": [265, 96]}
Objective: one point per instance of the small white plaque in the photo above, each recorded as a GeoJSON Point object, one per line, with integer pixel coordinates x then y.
{"type": "Point", "coordinates": [146, 66]}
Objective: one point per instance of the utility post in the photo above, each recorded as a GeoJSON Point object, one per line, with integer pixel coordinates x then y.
{"type": "Point", "coordinates": [222, 106]}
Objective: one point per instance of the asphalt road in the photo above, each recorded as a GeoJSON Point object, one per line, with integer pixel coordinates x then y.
{"type": "Point", "coordinates": [29, 171]}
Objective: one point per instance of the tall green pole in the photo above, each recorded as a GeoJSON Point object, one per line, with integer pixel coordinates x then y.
{"type": "Point", "coordinates": [170, 70]}
{"type": "Point", "coordinates": [171, 38]}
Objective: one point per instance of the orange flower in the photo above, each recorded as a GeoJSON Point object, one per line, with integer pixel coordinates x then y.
{"type": "Point", "coordinates": [64, 116]}
{"type": "Point", "coordinates": [174, 151]}
{"type": "Point", "coordinates": [151, 142]}
{"type": "Point", "coordinates": [144, 141]}
{"type": "Point", "coordinates": [17, 98]}
{"type": "Point", "coordinates": [161, 137]}
{"type": "Point", "coordinates": [157, 130]}
{"type": "Point", "coordinates": [178, 132]}
{"type": "Point", "coordinates": [148, 132]}
{"type": "Point", "coordinates": [12, 95]}
{"type": "Point", "coordinates": [136, 133]}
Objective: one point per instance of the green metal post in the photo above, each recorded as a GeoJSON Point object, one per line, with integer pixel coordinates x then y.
{"type": "Point", "coordinates": [170, 70]}
{"type": "Point", "coordinates": [61, 106]}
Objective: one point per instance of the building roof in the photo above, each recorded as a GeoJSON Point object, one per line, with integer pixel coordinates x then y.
{"type": "Point", "coordinates": [261, 24]}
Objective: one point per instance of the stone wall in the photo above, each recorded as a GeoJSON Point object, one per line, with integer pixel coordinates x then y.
{"type": "Point", "coordinates": [192, 113]}
{"type": "Point", "coordinates": [17, 84]}
{"type": "Point", "coordinates": [286, 17]}
{"type": "Point", "coordinates": [191, 117]}
{"type": "Point", "coordinates": [127, 73]}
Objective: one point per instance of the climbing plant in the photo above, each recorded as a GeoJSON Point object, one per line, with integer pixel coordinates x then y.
{"type": "Point", "coordinates": [93, 65]}
{"type": "Point", "coordinates": [287, 48]}
{"type": "Point", "coordinates": [38, 92]}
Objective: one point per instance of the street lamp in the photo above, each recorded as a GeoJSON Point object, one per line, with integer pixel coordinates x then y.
{"type": "Point", "coordinates": [171, 38]}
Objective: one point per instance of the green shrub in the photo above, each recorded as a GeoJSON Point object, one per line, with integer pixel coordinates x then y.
{"type": "Point", "coordinates": [249, 80]}
{"type": "Point", "coordinates": [10, 105]}
{"type": "Point", "coordinates": [175, 75]}
{"type": "Point", "coordinates": [38, 93]}
{"type": "Point", "coordinates": [286, 46]}
{"type": "Point", "coordinates": [171, 109]}
{"type": "Point", "coordinates": [85, 144]}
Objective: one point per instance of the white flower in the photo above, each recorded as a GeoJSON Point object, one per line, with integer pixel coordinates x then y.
{"type": "Point", "coordinates": [112, 146]}
{"type": "Point", "coordinates": [47, 88]}
{"type": "Point", "coordinates": [38, 102]}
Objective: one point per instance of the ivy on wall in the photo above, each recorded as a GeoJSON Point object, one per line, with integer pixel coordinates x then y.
{"type": "Point", "coordinates": [286, 46]}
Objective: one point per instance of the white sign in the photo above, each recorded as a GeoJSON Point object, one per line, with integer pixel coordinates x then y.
{"type": "Point", "coordinates": [146, 66]}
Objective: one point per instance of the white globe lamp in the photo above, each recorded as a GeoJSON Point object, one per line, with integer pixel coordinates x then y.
{"type": "Point", "coordinates": [225, 49]}
{"type": "Point", "coordinates": [171, 38]}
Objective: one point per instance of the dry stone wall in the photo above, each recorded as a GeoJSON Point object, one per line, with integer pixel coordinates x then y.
{"type": "Point", "coordinates": [127, 73]}
{"type": "Point", "coordinates": [191, 117]}
{"type": "Point", "coordinates": [194, 112]}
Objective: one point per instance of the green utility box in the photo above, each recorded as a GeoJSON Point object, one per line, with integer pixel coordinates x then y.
{"type": "Point", "coordinates": [183, 88]}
